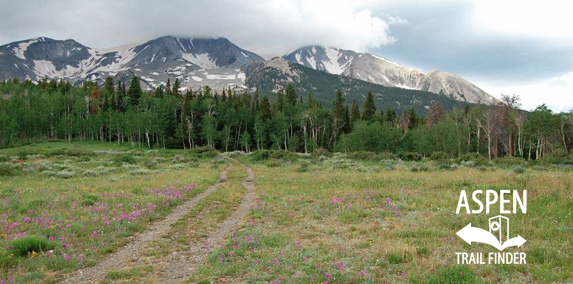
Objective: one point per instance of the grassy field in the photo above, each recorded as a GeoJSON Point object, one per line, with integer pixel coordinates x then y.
{"type": "Point", "coordinates": [315, 219]}
{"type": "Point", "coordinates": [78, 202]}
{"type": "Point", "coordinates": [318, 223]}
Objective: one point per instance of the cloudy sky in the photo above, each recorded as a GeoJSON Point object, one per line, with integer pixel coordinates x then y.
{"type": "Point", "coordinates": [504, 47]}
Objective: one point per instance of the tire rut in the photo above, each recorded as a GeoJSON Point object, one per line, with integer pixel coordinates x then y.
{"type": "Point", "coordinates": [181, 269]}
{"type": "Point", "coordinates": [118, 259]}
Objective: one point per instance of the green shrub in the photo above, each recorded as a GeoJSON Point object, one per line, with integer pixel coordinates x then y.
{"type": "Point", "coordinates": [419, 168]}
{"type": "Point", "coordinates": [204, 152]}
{"type": "Point", "coordinates": [87, 202]}
{"type": "Point", "coordinates": [177, 159]}
{"type": "Point", "coordinates": [473, 160]}
{"type": "Point", "coordinates": [56, 152]}
{"type": "Point", "coordinates": [303, 168]}
{"type": "Point", "coordinates": [410, 156]}
{"type": "Point", "coordinates": [128, 159]}
{"type": "Point", "coordinates": [321, 159]}
{"type": "Point", "coordinates": [9, 170]}
{"type": "Point", "coordinates": [66, 174]}
{"type": "Point", "coordinates": [470, 157]}
{"type": "Point", "coordinates": [283, 155]}
{"type": "Point", "coordinates": [386, 156]}
{"type": "Point", "coordinates": [151, 164]}
{"type": "Point", "coordinates": [23, 154]}
{"type": "Point", "coordinates": [263, 155]}
{"type": "Point", "coordinates": [25, 245]}
{"type": "Point", "coordinates": [259, 155]}
{"type": "Point", "coordinates": [140, 172]}
{"type": "Point", "coordinates": [35, 204]}
{"type": "Point", "coordinates": [159, 160]}
{"type": "Point", "coordinates": [274, 163]}
{"type": "Point", "coordinates": [90, 173]}
{"type": "Point", "coordinates": [439, 156]}
{"type": "Point", "coordinates": [78, 152]}
{"type": "Point", "coordinates": [558, 156]}
{"type": "Point", "coordinates": [394, 258]}
{"type": "Point", "coordinates": [320, 152]}
{"type": "Point", "coordinates": [362, 155]}
{"type": "Point", "coordinates": [510, 161]}
{"type": "Point", "coordinates": [91, 197]}
{"type": "Point", "coordinates": [4, 159]}
{"type": "Point", "coordinates": [448, 167]}
{"type": "Point", "coordinates": [178, 166]}
{"type": "Point", "coordinates": [518, 170]}
{"type": "Point", "coordinates": [219, 160]}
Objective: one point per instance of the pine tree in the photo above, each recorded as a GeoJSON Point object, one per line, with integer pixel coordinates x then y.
{"type": "Point", "coordinates": [347, 120]}
{"type": "Point", "coordinates": [369, 108]}
{"type": "Point", "coordinates": [256, 100]}
{"type": "Point", "coordinates": [290, 95]}
{"type": "Point", "coordinates": [159, 93]}
{"type": "Point", "coordinates": [355, 113]}
{"type": "Point", "coordinates": [168, 87]}
{"type": "Point", "coordinates": [224, 96]}
{"type": "Point", "coordinates": [108, 85]}
{"type": "Point", "coordinates": [176, 86]}
{"type": "Point", "coordinates": [265, 109]}
{"type": "Point", "coordinates": [390, 115]}
{"type": "Point", "coordinates": [311, 102]}
{"type": "Point", "coordinates": [339, 106]}
{"type": "Point", "coordinates": [280, 101]}
{"type": "Point", "coordinates": [134, 92]}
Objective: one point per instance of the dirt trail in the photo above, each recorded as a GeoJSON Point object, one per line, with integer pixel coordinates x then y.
{"type": "Point", "coordinates": [118, 259]}
{"type": "Point", "coordinates": [182, 268]}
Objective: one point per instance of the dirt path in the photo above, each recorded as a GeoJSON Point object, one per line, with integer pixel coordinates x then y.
{"type": "Point", "coordinates": [117, 259]}
{"type": "Point", "coordinates": [182, 268]}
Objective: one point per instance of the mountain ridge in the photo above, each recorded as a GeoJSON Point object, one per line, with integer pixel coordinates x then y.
{"type": "Point", "coordinates": [217, 63]}
{"type": "Point", "coordinates": [379, 70]}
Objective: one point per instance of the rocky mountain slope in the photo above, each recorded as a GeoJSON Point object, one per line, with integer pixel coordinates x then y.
{"type": "Point", "coordinates": [277, 73]}
{"type": "Point", "coordinates": [379, 70]}
{"type": "Point", "coordinates": [214, 62]}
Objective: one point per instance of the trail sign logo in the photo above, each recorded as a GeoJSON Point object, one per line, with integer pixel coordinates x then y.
{"type": "Point", "coordinates": [497, 234]}
{"type": "Point", "coordinates": [495, 237]}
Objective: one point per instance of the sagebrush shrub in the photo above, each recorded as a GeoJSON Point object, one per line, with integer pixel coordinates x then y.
{"type": "Point", "coordinates": [120, 159]}
{"type": "Point", "coordinates": [410, 156]}
{"type": "Point", "coordinates": [9, 170]}
{"type": "Point", "coordinates": [78, 152]}
{"type": "Point", "coordinates": [439, 156]}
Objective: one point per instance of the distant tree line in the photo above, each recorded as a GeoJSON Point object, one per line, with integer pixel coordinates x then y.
{"type": "Point", "coordinates": [229, 121]}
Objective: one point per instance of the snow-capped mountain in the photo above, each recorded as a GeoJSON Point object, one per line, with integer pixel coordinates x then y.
{"type": "Point", "coordinates": [214, 62]}
{"type": "Point", "coordinates": [331, 60]}
{"type": "Point", "coordinates": [195, 62]}
{"type": "Point", "coordinates": [277, 73]}
{"type": "Point", "coordinates": [382, 71]}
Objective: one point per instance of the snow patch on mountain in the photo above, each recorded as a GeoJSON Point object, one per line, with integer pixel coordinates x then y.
{"type": "Point", "coordinates": [22, 47]}
{"type": "Point", "coordinates": [202, 60]}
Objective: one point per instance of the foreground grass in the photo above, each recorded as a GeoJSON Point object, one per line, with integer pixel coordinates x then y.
{"type": "Point", "coordinates": [312, 224]}
{"type": "Point", "coordinates": [86, 199]}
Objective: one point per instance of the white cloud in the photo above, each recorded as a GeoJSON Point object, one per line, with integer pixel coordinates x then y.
{"type": "Point", "coordinates": [543, 19]}
{"type": "Point", "coordinates": [284, 25]}
{"type": "Point", "coordinates": [270, 27]}
{"type": "Point", "coordinates": [556, 93]}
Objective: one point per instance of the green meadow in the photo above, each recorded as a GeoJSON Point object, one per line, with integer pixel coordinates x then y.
{"type": "Point", "coordinates": [316, 218]}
